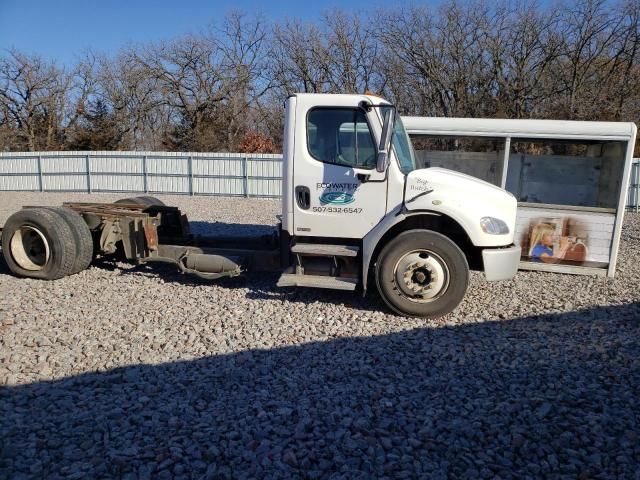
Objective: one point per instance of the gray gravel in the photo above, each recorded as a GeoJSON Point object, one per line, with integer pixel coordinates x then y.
{"type": "Point", "coordinates": [139, 372]}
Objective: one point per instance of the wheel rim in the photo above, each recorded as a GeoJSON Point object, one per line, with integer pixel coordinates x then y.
{"type": "Point", "coordinates": [421, 276]}
{"type": "Point", "coordinates": [29, 248]}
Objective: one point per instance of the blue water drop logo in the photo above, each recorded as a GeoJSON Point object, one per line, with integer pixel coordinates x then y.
{"type": "Point", "coordinates": [336, 198]}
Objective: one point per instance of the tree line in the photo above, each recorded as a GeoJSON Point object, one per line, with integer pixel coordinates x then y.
{"type": "Point", "coordinates": [223, 89]}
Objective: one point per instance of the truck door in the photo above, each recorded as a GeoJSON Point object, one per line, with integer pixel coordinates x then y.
{"type": "Point", "coordinates": [337, 190]}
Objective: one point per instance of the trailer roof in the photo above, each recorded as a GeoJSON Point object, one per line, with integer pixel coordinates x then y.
{"type": "Point", "coordinates": [490, 127]}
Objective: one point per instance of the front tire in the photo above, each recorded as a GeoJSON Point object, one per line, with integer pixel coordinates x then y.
{"type": "Point", "coordinates": [422, 273]}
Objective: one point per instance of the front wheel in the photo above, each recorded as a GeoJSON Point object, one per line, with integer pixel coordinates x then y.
{"type": "Point", "coordinates": [422, 273]}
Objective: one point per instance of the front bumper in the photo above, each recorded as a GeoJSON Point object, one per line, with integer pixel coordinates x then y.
{"type": "Point", "coordinates": [500, 263]}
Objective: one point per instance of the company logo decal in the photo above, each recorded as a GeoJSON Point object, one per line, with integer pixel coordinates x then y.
{"type": "Point", "coordinates": [336, 198]}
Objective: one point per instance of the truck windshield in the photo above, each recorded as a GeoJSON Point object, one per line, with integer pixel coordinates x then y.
{"type": "Point", "coordinates": [402, 145]}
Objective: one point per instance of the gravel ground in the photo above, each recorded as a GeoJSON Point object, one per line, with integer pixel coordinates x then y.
{"type": "Point", "coordinates": [139, 372]}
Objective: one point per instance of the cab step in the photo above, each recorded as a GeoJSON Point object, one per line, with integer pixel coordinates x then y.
{"type": "Point", "coordinates": [317, 281]}
{"type": "Point", "coordinates": [325, 250]}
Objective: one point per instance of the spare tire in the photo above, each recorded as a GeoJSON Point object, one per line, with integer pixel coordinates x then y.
{"type": "Point", "coordinates": [38, 243]}
{"type": "Point", "coordinates": [143, 200]}
{"type": "Point", "coordinates": [152, 200]}
{"type": "Point", "coordinates": [81, 235]}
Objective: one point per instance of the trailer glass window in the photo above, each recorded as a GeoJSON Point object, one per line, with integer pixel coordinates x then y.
{"type": "Point", "coordinates": [341, 136]}
{"type": "Point", "coordinates": [481, 157]}
{"type": "Point", "coordinates": [583, 173]}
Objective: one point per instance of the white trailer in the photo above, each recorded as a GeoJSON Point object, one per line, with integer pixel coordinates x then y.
{"type": "Point", "coordinates": [356, 209]}
{"type": "Point", "coordinates": [569, 177]}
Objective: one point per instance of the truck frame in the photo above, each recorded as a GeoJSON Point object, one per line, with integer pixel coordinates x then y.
{"type": "Point", "coordinates": [356, 209]}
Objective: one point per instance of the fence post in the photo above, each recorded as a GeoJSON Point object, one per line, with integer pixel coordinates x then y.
{"type": "Point", "coordinates": [40, 186]}
{"type": "Point", "coordinates": [638, 186]}
{"type": "Point", "coordinates": [245, 176]}
{"type": "Point", "coordinates": [145, 182]}
{"type": "Point", "coordinates": [88, 165]}
{"type": "Point", "coordinates": [190, 171]}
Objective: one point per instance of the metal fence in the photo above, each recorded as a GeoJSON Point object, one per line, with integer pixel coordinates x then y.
{"type": "Point", "coordinates": [230, 174]}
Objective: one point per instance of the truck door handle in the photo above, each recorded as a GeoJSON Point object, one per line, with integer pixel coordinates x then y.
{"type": "Point", "coordinates": [303, 197]}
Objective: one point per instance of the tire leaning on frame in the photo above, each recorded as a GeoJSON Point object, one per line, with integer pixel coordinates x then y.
{"type": "Point", "coordinates": [39, 243]}
{"type": "Point", "coordinates": [422, 273]}
{"type": "Point", "coordinates": [142, 200]}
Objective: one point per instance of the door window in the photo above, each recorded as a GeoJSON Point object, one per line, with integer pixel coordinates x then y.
{"type": "Point", "coordinates": [341, 136]}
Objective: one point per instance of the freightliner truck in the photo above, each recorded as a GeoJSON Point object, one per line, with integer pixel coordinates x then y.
{"type": "Point", "coordinates": [356, 211]}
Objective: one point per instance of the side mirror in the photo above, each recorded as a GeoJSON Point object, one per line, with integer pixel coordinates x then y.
{"type": "Point", "coordinates": [385, 140]}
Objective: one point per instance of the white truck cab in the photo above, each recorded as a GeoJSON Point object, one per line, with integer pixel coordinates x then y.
{"type": "Point", "coordinates": [355, 208]}
{"type": "Point", "coordinates": [345, 183]}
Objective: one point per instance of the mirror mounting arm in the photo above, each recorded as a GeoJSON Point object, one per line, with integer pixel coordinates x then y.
{"type": "Point", "coordinates": [382, 162]}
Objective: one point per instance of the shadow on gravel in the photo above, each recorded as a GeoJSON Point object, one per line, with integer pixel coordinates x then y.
{"type": "Point", "coordinates": [259, 286]}
{"type": "Point", "coordinates": [528, 396]}
{"type": "Point", "coordinates": [4, 268]}
{"type": "Point", "coordinates": [222, 228]}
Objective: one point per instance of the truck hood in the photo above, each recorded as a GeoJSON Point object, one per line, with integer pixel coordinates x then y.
{"type": "Point", "coordinates": [464, 198]}
{"type": "Point", "coordinates": [450, 176]}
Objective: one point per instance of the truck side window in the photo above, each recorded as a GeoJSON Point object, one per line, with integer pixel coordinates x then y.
{"type": "Point", "coordinates": [341, 136]}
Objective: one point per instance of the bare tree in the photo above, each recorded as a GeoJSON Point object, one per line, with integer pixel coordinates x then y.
{"type": "Point", "coordinates": [223, 89]}
{"type": "Point", "coordinates": [522, 44]}
{"type": "Point", "coordinates": [207, 82]}
{"type": "Point", "coordinates": [299, 58]}
{"type": "Point", "coordinates": [446, 71]}
{"type": "Point", "coordinates": [352, 60]}
{"type": "Point", "coordinates": [612, 92]}
{"type": "Point", "coordinates": [589, 31]}
{"type": "Point", "coordinates": [337, 55]}
{"type": "Point", "coordinates": [243, 42]}
{"type": "Point", "coordinates": [130, 91]}
{"type": "Point", "coordinates": [32, 99]}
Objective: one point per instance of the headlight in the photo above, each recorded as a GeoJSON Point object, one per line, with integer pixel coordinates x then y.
{"type": "Point", "coordinates": [493, 226]}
